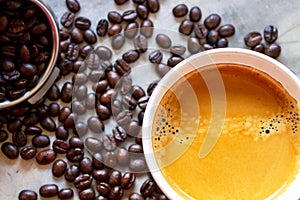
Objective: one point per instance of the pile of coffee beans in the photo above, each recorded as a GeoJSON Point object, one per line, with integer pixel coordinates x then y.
{"type": "Point", "coordinates": [67, 129]}
{"type": "Point", "coordinates": [270, 48]}
{"type": "Point", "coordinates": [25, 47]}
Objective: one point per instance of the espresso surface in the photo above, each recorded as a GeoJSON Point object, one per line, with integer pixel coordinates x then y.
{"type": "Point", "coordinates": [256, 154]}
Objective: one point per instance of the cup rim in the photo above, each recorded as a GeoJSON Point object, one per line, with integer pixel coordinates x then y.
{"type": "Point", "coordinates": [222, 55]}
{"type": "Point", "coordinates": [51, 63]}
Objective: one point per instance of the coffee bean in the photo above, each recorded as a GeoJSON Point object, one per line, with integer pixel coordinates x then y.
{"type": "Point", "coordinates": [151, 87]}
{"type": "Point", "coordinates": [103, 52]}
{"type": "Point", "coordinates": [119, 134]}
{"type": "Point", "coordinates": [59, 168]}
{"type": "Point", "coordinates": [140, 43]}
{"type": "Point", "coordinates": [115, 178]}
{"type": "Point", "coordinates": [122, 67]}
{"type": "Point", "coordinates": [33, 130]}
{"type": "Point", "coordinates": [76, 36]}
{"type": "Point", "coordinates": [135, 150]}
{"type": "Point", "coordinates": [195, 14]}
{"type": "Point", "coordinates": [40, 141]}
{"type": "Point", "coordinates": [28, 70]}
{"type": "Point", "coordinates": [120, 2]}
{"type": "Point", "coordinates": [82, 23]}
{"type": "Point", "coordinates": [95, 124]}
{"type": "Point", "coordinates": [60, 146]}
{"type": "Point", "coordinates": [73, 5]}
{"type": "Point", "coordinates": [3, 135]}
{"type": "Point", "coordinates": [97, 75]}
{"type": "Point", "coordinates": [127, 180]}
{"type": "Point", "coordinates": [28, 152]}
{"type": "Point", "coordinates": [133, 128]}
{"type": "Point", "coordinates": [107, 97]}
{"type": "Point", "coordinates": [53, 93]}
{"type": "Point", "coordinates": [143, 101]}
{"type": "Point", "coordinates": [87, 49]}
{"type": "Point", "coordinates": [273, 50]}
{"type": "Point", "coordinates": [48, 190]}
{"type": "Point", "coordinates": [212, 37]}
{"type": "Point", "coordinates": [65, 193]}
{"type": "Point", "coordinates": [129, 102]}
{"type": "Point", "coordinates": [155, 57]}
{"type": "Point", "coordinates": [14, 125]}
{"type": "Point", "coordinates": [142, 11]}
{"type": "Point", "coordinates": [259, 48]}
{"type": "Point", "coordinates": [103, 112]}
{"type": "Point", "coordinates": [221, 43]}
{"type": "Point", "coordinates": [86, 165]}
{"type": "Point", "coordinates": [147, 187]}
{"type": "Point", "coordinates": [114, 17]}
{"type": "Point", "coordinates": [135, 196]}
{"type": "Point", "coordinates": [76, 142]}
{"type": "Point", "coordinates": [24, 53]}
{"type": "Point", "coordinates": [19, 138]}
{"type": "Point", "coordinates": [123, 156]}
{"type": "Point", "coordinates": [71, 173]}
{"type": "Point", "coordinates": [147, 28]}
{"type": "Point", "coordinates": [125, 88]}
{"type": "Point", "coordinates": [153, 5]}
{"type": "Point", "coordinates": [70, 120]}
{"type": "Point", "coordinates": [81, 129]}
{"type": "Point", "coordinates": [252, 39]}
{"type": "Point", "coordinates": [73, 52]}
{"type": "Point", "coordinates": [90, 101]}
{"type": "Point", "coordinates": [163, 41]}
{"type": "Point", "coordinates": [81, 92]}
{"type": "Point", "coordinates": [137, 92]}
{"type": "Point", "coordinates": [27, 195]}
{"type": "Point", "coordinates": [193, 45]}
{"type": "Point", "coordinates": [226, 30]}
{"type": "Point", "coordinates": [270, 33]}
{"type": "Point", "coordinates": [174, 60]}
{"type": "Point", "coordinates": [129, 15]}
{"type": "Point", "coordinates": [138, 1]}
{"type": "Point", "coordinates": [45, 157]}
{"type": "Point", "coordinates": [48, 124]}
{"type": "Point", "coordinates": [178, 50]}
{"type": "Point", "coordinates": [131, 56]}
{"type": "Point", "coordinates": [103, 188]}
{"type": "Point", "coordinates": [137, 165]}
{"type": "Point", "coordinates": [98, 161]}
{"type": "Point", "coordinates": [67, 92]}
{"type": "Point", "coordinates": [10, 150]}
{"type": "Point", "coordinates": [109, 142]}
{"type": "Point", "coordinates": [101, 86]}
{"type": "Point", "coordinates": [116, 193]}
{"type": "Point", "coordinates": [118, 41]}
{"type": "Point", "coordinates": [102, 27]}
{"type": "Point", "coordinates": [212, 21]}
{"type": "Point", "coordinates": [101, 175]}
{"type": "Point", "coordinates": [200, 31]}
{"type": "Point", "coordinates": [92, 61]}
{"type": "Point", "coordinates": [62, 133]}
{"type": "Point", "coordinates": [3, 23]}
{"type": "Point", "coordinates": [180, 10]}
{"type": "Point", "coordinates": [83, 181]}
{"type": "Point", "coordinates": [131, 30]}
{"type": "Point", "coordinates": [114, 29]}
{"type": "Point", "coordinates": [90, 36]}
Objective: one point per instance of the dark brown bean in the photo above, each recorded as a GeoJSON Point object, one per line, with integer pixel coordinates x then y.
{"type": "Point", "coordinates": [114, 17]}
{"type": "Point", "coordinates": [103, 112]}
{"type": "Point", "coordinates": [147, 187]}
{"type": "Point", "coordinates": [135, 150]}
{"type": "Point", "coordinates": [270, 34]}
{"type": "Point", "coordinates": [123, 156]}
{"type": "Point", "coordinates": [178, 50]}
{"type": "Point", "coordinates": [3, 135]}
{"type": "Point", "coordinates": [48, 124]}
{"type": "Point", "coordinates": [40, 141]}
{"type": "Point", "coordinates": [195, 14]}
{"type": "Point", "coordinates": [109, 142]}
{"type": "Point", "coordinates": [131, 56]}
{"type": "Point", "coordinates": [48, 190]}
{"type": "Point", "coordinates": [273, 50]}
{"type": "Point", "coordinates": [95, 124]}
{"type": "Point", "coordinates": [118, 41]}
{"type": "Point", "coordinates": [147, 28]}
{"type": "Point", "coordinates": [116, 193]}
{"type": "Point", "coordinates": [86, 50]}
{"type": "Point", "coordinates": [180, 10]}
{"type": "Point", "coordinates": [102, 27]}
{"type": "Point", "coordinates": [174, 60]}
{"type": "Point", "coordinates": [60, 146]}
{"type": "Point", "coordinates": [252, 39]}
{"type": "Point", "coordinates": [86, 165]}
{"type": "Point", "coordinates": [153, 5]}
{"type": "Point", "coordinates": [133, 127]}
{"type": "Point", "coordinates": [137, 92]}
{"type": "Point", "coordinates": [115, 178]}
{"type": "Point", "coordinates": [137, 165]}
{"type": "Point", "coordinates": [259, 48]}
{"type": "Point", "coordinates": [71, 173]}
{"type": "Point", "coordinates": [212, 21]}
{"type": "Point", "coordinates": [101, 86]}
{"type": "Point", "coordinates": [73, 5]}
{"type": "Point", "coordinates": [119, 134]}
{"type": "Point", "coordinates": [120, 2]}
{"type": "Point", "coordinates": [75, 155]}
{"type": "Point", "coordinates": [83, 181]}
{"type": "Point", "coordinates": [33, 130]}
{"type": "Point", "coordinates": [129, 15]}
{"type": "Point", "coordinates": [92, 61]}
{"type": "Point", "coordinates": [107, 97]}
{"type": "Point", "coordinates": [82, 23]}
{"type": "Point", "coordinates": [103, 52]}
{"type": "Point", "coordinates": [53, 93]}
{"type": "Point", "coordinates": [67, 92]}
{"type": "Point", "coordinates": [87, 194]}
{"type": "Point", "coordinates": [103, 188]}
{"type": "Point", "coordinates": [200, 30]}
{"type": "Point", "coordinates": [193, 45]}
{"type": "Point", "coordinates": [142, 11]}
{"type": "Point", "coordinates": [163, 40]}
{"type": "Point", "coordinates": [212, 37]}
{"type": "Point", "coordinates": [65, 193]}
{"type": "Point", "coordinates": [114, 29]}
{"type": "Point", "coordinates": [73, 52]}
{"type": "Point", "coordinates": [226, 30]}
{"type": "Point", "coordinates": [90, 36]}
{"type": "Point", "coordinates": [10, 150]}
{"type": "Point", "coordinates": [101, 175]}
{"type": "Point", "coordinates": [140, 43]}
{"type": "Point", "coordinates": [122, 67]}
{"type": "Point", "coordinates": [131, 30]}
{"type": "Point", "coordinates": [76, 36]}
{"type": "Point", "coordinates": [135, 196]}
{"type": "Point", "coordinates": [59, 168]}
{"type": "Point", "coordinates": [28, 152]}
{"type": "Point", "coordinates": [62, 133]}
{"type": "Point", "coordinates": [129, 102]}
{"type": "Point", "coordinates": [19, 138]}
{"type": "Point", "coordinates": [221, 43]}
{"type": "Point", "coordinates": [45, 157]}
{"type": "Point", "coordinates": [155, 57]}
{"type": "Point", "coordinates": [127, 180]}
{"type": "Point", "coordinates": [28, 195]}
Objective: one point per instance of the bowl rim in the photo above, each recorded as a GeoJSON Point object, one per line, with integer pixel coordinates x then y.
{"type": "Point", "coordinates": [51, 63]}
{"type": "Point", "coordinates": [227, 55]}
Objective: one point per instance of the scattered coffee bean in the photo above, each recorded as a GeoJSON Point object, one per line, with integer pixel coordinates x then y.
{"type": "Point", "coordinates": [119, 134]}
{"type": "Point", "coordinates": [186, 27]}
{"type": "Point", "coordinates": [90, 36]}
{"type": "Point", "coordinates": [59, 167]}
{"type": "Point", "coordinates": [115, 178]}
{"type": "Point", "coordinates": [71, 173]}
{"type": "Point", "coordinates": [137, 165]}
{"type": "Point", "coordinates": [195, 14]}
{"type": "Point", "coordinates": [140, 43]}
{"type": "Point", "coordinates": [48, 124]}
{"type": "Point", "coordinates": [221, 43]}
{"type": "Point", "coordinates": [118, 41]}
{"type": "Point", "coordinates": [147, 187]}
{"type": "Point", "coordinates": [73, 5]}
{"type": "Point", "coordinates": [116, 192]}
{"type": "Point", "coordinates": [135, 150]}
{"type": "Point", "coordinates": [120, 2]}
{"type": "Point", "coordinates": [76, 36]}
{"type": "Point", "coordinates": [129, 15]}
{"type": "Point", "coordinates": [60, 146]}
{"type": "Point", "coordinates": [67, 19]}
{"type": "Point", "coordinates": [28, 195]}
{"type": "Point", "coordinates": [40, 141]}
{"type": "Point", "coordinates": [109, 159]}
{"type": "Point", "coordinates": [174, 60]}
{"type": "Point", "coordinates": [252, 39]}
{"type": "Point", "coordinates": [156, 57]}
{"type": "Point", "coordinates": [86, 165]}
{"type": "Point", "coordinates": [83, 181]}
{"type": "Point", "coordinates": [3, 135]}
{"type": "Point", "coordinates": [212, 37]}
{"type": "Point", "coordinates": [61, 133]}
{"type": "Point", "coordinates": [133, 127]}
{"type": "Point", "coordinates": [109, 142]}
{"type": "Point", "coordinates": [75, 155]}
{"type": "Point", "coordinates": [193, 45]}
{"type": "Point", "coordinates": [102, 27]}
{"type": "Point", "coordinates": [127, 180]}
{"type": "Point", "coordinates": [180, 10]}
{"type": "Point", "coordinates": [65, 193]}
{"type": "Point", "coordinates": [142, 11]}
{"type": "Point", "coordinates": [10, 150]}
{"type": "Point", "coordinates": [153, 5]}
{"type": "Point", "coordinates": [87, 194]}
{"type": "Point", "coordinates": [123, 156]}
{"type": "Point", "coordinates": [45, 157]}
{"type": "Point", "coordinates": [226, 30]}
{"type": "Point", "coordinates": [48, 190]}
{"type": "Point", "coordinates": [95, 124]}
{"type": "Point", "coordinates": [113, 79]}
{"type": "Point", "coordinates": [259, 48]}
{"type": "Point", "coordinates": [178, 50]}
{"type": "Point", "coordinates": [103, 188]}
{"type": "Point", "coordinates": [114, 30]}
{"type": "Point", "coordinates": [101, 174]}
{"type": "Point", "coordinates": [135, 196]}
{"type": "Point", "coordinates": [131, 30]}
{"type": "Point", "coordinates": [163, 40]}
{"type": "Point", "coordinates": [114, 17]}
{"type": "Point", "coordinates": [83, 23]}
{"type": "Point", "coordinates": [131, 56]}
{"type": "Point", "coordinates": [28, 152]}
{"type": "Point", "coordinates": [212, 21]}
{"type": "Point", "coordinates": [147, 28]}
{"type": "Point", "coordinates": [143, 101]}
{"type": "Point", "coordinates": [273, 50]}
{"type": "Point", "coordinates": [32, 130]}
{"type": "Point", "coordinates": [103, 52]}
{"type": "Point", "coordinates": [270, 34]}
{"type": "Point", "coordinates": [19, 138]}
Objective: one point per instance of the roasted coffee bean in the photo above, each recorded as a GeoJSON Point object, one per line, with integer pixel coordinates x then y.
{"type": "Point", "coordinates": [48, 190]}
{"type": "Point", "coordinates": [135, 150]}
{"type": "Point", "coordinates": [73, 5]}
{"type": "Point", "coordinates": [10, 150]}
{"type": "Point", "coordinates": [193, 45]}
{"type": "Point", "coordinates": [83, 181]}
{"type": "Point", "coordinates": [67, 19]}
{"type": "Point", "coordinates": [131, 56]}
{"type": "Point", "coordinates": [103, 112]}
{"type": "Point", "coordinates": [9, 51]}
{"type": "Point", "coordinates": [137, 165]}
{"type": "Point", "coordinates": [178, 50]}
{"type": "Point", "coordinates": [76, 36]}
{"type": "Point", "coordinates": [42, 110]}
{"type": "Point", "coordinates": [103, 188]}
{"type": "Point", "coordinates": [151, 87]}
{"type": "Point", "coordinates": [200, 30]}
{"type": "Point", "coordinates": [3, 135]}
{"type": "Point", "coordinates": [147, 28]}
{"type": "Point", "coordinates": [226, 30]}
{"type": "Point", "coordinates": [155, 57]}
{"type": "Point", "coordinates": [122, 67]}
{"type": "Point", "coordinates": [212, 21]}
{"type": "Point", "coordinates": [62, 133]}
{"type": "Point", "coordinates": [54, 109]}
{"type": "Point", "coordinates": [71, 173]}
{"type": "Point", "coordinates": [186, 27]}
{"type": "Point", "coordinates": [86, 165]}
{"type": "Point", "coordinates": [109, 159]}
{"type": "Point", "coordinates": [67, 92]}
{"type": "Point", "coordinates": [138, 138]}
{"type": "Point", "coordinates": [137, 92]}
{"type": "Point", "coordinates": [40, 141]}
{"type": "Point", "coordinates": [59, 168]}
{"type": "Point", "coordinates": [33, 130]}
{"type": "Point", "coordinates": [142, 11]}
{"type": "Point", "coordinates": [135, 196]}
{"type": "Point", "coordinates": [15, 27]}
{"type": "Point", "coordinates": [80, 128]}
{"type": "Point", "coordinates": [67, 67]}
{"type": "Point", "coordinates": [65, 193]}
{"type": "Point", "coordinates": [143, 101]}
{"type": "Point", "coordinates": [82, 23]}
{"type": "Point", "coordinates": [53, 93]}
{"type": "Point", "coordinates": [3, 23]}
{"type": "Point", "coordinates": [101, 175]}
{"type": "Point", "coordinates": [64, 33]}
{"type": "Point", "coordinates": [273, 50]}
{"type": "Point", "coordinates": [129, 15]}
{"type": "Point", "coordinates": [70, 120]}
{"type": "Point", "coordinates": [45, 157]}
{"type": "Point", "coordinates": [97, 75]}
{"type": "Point", "coordinates": [124, 117]}
{"type": "Point", "coordinates": [114, 17]}
{"type": "Point", "coordinates": [95, 124]}
{"type": "Point", "coordinates": [131, 30]}
{"type": "Point", "coordinates": [174, 60]}
{"type": "Point", "coordinates": [270, 33]}
{"type": "Point", "coordinates": [98, 161]}
{"type": "Point", "coordinates": [90, 36]}
{"type": "Point", "coordinates": [147, 187]}
{"type": "Point", "coordinates": [76, 142]}
{"type": "Point", "coordinates": [7, 64]}
{"type": "Point", "coordinates": [113, 79]}
{"type": "Point", "coordinates": [180, 10]}
{"type": "Point", "coordinates": [24, 53]}
{"type": "Point", "coordinates": [90, 101]}
{"type": "Point", "coordinates": [140, 43]}
{"type": "Point", "coordinates": [123, 156]}
{"type": "Point", "coordinates": [92, 61]}
{"type": "Point", "coordinates": [114, 29]}
{"type": "Point", "coordinates": [132, 128]}
{"type": "Point", "coordinates": [28, 70]}
{"type": "Point", "coordinates": [252, 39]}
{"type": "Point", "coordinates": [259, 48]}
{"type": "Point", "coordinates": [79, 79]}
{"type": "Point", "coordinates": [14, 125]}
{"type": "Point", "coordinates": [107, 97]}
{"type": "Point", "coordinates": [87, 49]}
{"type": "Point", "coordinates": [109, 142]}
{"type": "Point", "coordinates": [102, 27]}
{"type": "Point", "coordinates": [163, 40]}
{"type": "Point", "coordinates": [125, 88]}
{"type": "Point", "coordinates": [64, 47]}
{"type": "Point", "coordinates": [221, 43]}
{"type": "Point", "coordinates": [28, 152]}
{"type": "Point", "coordinates": [93, 144]}
{"type": "Point", "coordinates": [212, 37]}
{"type": "Point", "coordinates": [116, 107]}
{"type": "Point", "coordinates": [19, 138]}
{"type": "Point", "coordinates": [81, 93]}
{"type": "Point", "coordinates": [101, 86]}
{"type": "Point", "coordinates": [127, 180]}
{"type": "Point", "coordinates": [60, 146]}
{"type": "Point", "coordinates": [115, 178]}
{"type": "Point", "coordinates": [48, 124]}
{"type": "Point", "coordinates": [153, 5]}
{"type": "Point", "coordinates": [120, 2]}
{"type": "Point", "coordinates": [118, 41]}
{"type": "Point", "coordinates": [129, 102]}
{"type": "Point", "coordinates": [119, 134]}
{"type": "Point", "coordinates": [73, 52]}
{"type": "Point", "coordinates": [115, 193]}
{"type": "Point", "coordinates": [141, 116]}
{"type": "Point", "coordinates": [28, 195]}
{"type": "Point", "coordinates": [195, 14]}
{"type": "Point", "coordinates": [103, 52]}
